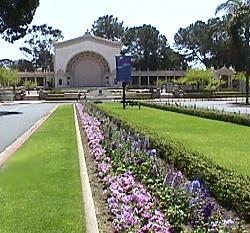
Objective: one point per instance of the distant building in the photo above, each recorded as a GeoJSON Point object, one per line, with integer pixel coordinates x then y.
{"type": "Point", "coordinates": [89, 61]}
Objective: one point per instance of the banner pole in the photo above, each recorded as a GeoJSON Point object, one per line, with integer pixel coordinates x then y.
{"type": "Point", "coordinates": [124, 94]}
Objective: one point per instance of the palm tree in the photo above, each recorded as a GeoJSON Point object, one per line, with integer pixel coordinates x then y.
{"type": "Point", "coordinates": [238, 20]}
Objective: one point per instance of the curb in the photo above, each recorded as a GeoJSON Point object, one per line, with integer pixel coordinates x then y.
{"type": "Point", "coordinates": [10, 150]}
{"type": "Point", "coordinates": [89, 208]}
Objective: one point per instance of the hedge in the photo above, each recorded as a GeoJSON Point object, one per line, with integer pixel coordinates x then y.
{"type": "Point", "coordinates": [204, 113]}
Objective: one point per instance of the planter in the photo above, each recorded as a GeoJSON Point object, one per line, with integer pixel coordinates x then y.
{"type": "Point", "coordinates": [6, 96]}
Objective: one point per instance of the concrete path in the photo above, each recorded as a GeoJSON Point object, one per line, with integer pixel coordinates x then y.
{"type": "Point", "coordinates": [11, 149]}
{"type": "Point", "coordinates": [89, 207]}
{"type": "Point", "coordinates": [227, 104]}
{"type": "Point", "coordinates": [22, 117]}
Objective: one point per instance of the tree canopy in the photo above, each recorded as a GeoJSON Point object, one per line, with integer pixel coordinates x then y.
{"type": "Point", "coordinates": [20, 65]}
{"type": "Point", "coordinates": [39, 45]}
{"type": "Point", "coordinates": [237, 19]}
{"type": "Point", "coordinates": [150, 49]}
{"type": "Point", "coordinates": [15, 16]}
{"type": "Point", "coordinates": [8, 77]}
{"type": "Point", "coordinates": [206, 42]}
{"type": "Point", "coordinates": [108, 27]}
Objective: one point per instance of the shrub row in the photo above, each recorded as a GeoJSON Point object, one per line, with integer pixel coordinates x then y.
{"type": "Point", "coordinates": [60, 98]}
{"type": "Point", "coordinates": [230, 189]}
{"type": "Point", "coordinates": [191, 94]}
{"type": "Point", "coordinates": [205, 113]}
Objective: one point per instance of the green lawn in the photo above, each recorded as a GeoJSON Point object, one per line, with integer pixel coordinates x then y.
{"type": "Point", "coordinates": [40, 189]}
{"type": "Point", "coordinates": [226, 143]}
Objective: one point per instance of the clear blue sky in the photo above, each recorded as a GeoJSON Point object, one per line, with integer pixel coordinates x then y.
{"type": "Point", "coordinates": [74, 17]}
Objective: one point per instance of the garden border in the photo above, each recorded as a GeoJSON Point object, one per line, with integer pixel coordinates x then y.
{"type": "Point", "coordinates": [229, 188]}
{"type": "Point", "coordinates": [89, 208]}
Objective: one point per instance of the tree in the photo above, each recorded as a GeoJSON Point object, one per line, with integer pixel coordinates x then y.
{"type": "Point", "coordinates": [15, 16]}
{"type": "Point", "coordinates": [9, 77]}
{"type": "Point", "coordinates": [22, 65]}
{"type": "Point", "coordinates": [213, 85]}
{"type": "Point", "coordinates": [39, 45]}
{"type": "Point", "coordinates": [108, 27]}
{"type": "Point", "coordinates": [6, 62]}
{"type": "Point", "coordinates": [29, 84]}
{"type": "Point", "coordinates": [240, 76]}
{"type": "Point", "coordinates": [198, 77]}
{"type": "Point", "coordinates": [196, 40]}
{"type": "Point", "coordinates": [238, 21]}
{"type": "Point", "coordinates": [210, 43]}
{"type": "Point", "coordinates": [150, 49]}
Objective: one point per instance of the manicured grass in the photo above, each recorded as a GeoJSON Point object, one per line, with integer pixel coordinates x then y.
{"type": "Point", "coordinates": [226, 143]}
{"type": "Point", "coordinates": [40, 189]}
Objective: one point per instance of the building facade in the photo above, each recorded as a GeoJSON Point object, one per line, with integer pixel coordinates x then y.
{"type": "Point", "coordinates": [89, 61]}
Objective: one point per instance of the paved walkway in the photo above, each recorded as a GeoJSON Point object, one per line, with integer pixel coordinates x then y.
{"type": "Point", "coordinates": [20, 119]}
{"type": "Point", "coordinates": [228, 104]}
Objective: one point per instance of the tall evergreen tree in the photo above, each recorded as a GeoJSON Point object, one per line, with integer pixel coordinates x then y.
{"type": "Point", "coordinates": [238, 20]}
{"type": "Point", "coordinates": [108, 27]}
{"type": "Point", "coordinates": [150, 49]}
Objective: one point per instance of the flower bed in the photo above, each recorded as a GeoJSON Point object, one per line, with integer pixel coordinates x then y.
{"type": "Point", "coordinates": [145, 193]}
{"type": "Point", "coordinates": [231, 189]}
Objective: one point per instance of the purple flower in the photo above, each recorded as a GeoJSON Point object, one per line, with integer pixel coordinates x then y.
{"type": "Point", "coordinates": [208, 210]}
{"type": "Point", "coordinates": [229, 223]}
{"type": "Point", "coordinates": [152, 152]}
{"type": "Point", "coordinates": [140, 162]}
{"type": "Point", "coordinates": [195, 186]}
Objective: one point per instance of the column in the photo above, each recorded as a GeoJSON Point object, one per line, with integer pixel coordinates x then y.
{"type": "Point", "coordinates": [148, 81]}
{"type": "Point", "coordinates": [44, 81]}
{"type": "Point", "coordinates": [139, 81]}
{"type": "Point", "coordinates": [56, 80]}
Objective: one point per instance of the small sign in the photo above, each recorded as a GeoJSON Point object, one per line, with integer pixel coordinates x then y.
{"type": "Point", "coordinates": [123, 69]}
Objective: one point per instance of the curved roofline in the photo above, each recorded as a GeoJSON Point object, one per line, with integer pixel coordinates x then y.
{"type": "Point", "coordinates": [88, 37]}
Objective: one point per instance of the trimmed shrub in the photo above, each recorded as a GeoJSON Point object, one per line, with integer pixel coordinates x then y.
{"type": "Point", "coordinates": [204, 113]}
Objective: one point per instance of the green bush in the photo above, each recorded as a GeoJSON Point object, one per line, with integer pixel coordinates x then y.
{"type": "Point", "coordinates": [230, 189]}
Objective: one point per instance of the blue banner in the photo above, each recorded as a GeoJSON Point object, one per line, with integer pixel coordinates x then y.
{"type": "Point", "coordinates": [123, 69]}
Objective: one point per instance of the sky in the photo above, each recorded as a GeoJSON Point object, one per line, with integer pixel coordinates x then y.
{"type": "Point", "coordinates": [74, 17]}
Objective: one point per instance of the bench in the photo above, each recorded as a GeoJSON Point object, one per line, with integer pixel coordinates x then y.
{"type": "Point", "coordinates": [131, 103]}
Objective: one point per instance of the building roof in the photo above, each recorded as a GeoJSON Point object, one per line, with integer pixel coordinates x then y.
{"type": "Point", "coordinates": [88, 37]}
{"type": "Point", "coordinates": [224, 71]}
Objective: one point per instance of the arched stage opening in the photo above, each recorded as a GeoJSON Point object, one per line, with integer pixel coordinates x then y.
{"type": "Point", "coordinates": [87, 69]}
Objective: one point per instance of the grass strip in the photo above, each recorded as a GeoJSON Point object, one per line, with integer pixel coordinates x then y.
{"type": "Point", "coordinates": [40, 188]}
{"type": "Point", "coordinates": [226, 143]}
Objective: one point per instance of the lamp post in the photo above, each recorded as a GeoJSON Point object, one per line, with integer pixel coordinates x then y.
{"type": "Point", "coordinates": [247, 79]}
{"type": "Point", "coordinates": [124, 94]}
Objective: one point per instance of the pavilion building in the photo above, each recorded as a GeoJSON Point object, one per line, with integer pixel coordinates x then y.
{"type": "Point", "coordinates": [89, 61]}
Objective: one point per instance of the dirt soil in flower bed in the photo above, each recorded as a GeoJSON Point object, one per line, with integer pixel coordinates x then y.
{"type": "Point", "coordinates": [104, 219]}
